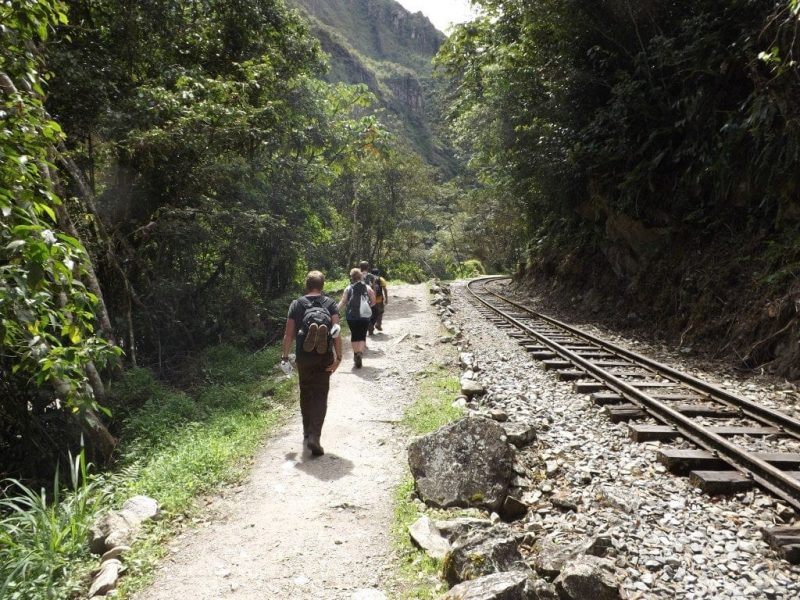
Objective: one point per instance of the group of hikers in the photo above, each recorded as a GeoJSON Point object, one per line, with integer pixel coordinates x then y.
{"type": "Point", "coordinates": [313, 325]}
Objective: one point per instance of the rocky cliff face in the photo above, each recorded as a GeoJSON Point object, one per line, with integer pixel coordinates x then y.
{"type": "Point", "coordinates": [379, 29]}
{"type": "Point", "coordinates": [380, 44]}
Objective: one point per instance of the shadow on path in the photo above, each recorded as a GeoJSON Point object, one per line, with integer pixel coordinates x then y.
{"type": "Point", "coordinates": [367, 372]}
{"type": "Point", "coordinates": [328, 467]}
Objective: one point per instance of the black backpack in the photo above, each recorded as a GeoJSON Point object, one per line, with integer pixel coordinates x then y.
{"type": "Point", "coordinates": [314, 313]}
{"type": "Point", "coordinates": [357, 291]}
{"type": "Point", "coordinates": [375, 283]}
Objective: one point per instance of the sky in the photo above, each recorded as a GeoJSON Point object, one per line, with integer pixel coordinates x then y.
{"type": "Point", "coordinates": [442, 13]}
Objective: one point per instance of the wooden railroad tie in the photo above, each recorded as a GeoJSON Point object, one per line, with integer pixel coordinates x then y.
{"type": "Point", "coordinates": [583, 347]}
{"type": "Point", "coordinates": [575, 374]}
{"type": "Point", "coordinates": [719, 483]}
{"type": "Point", "coordinates": [665, 433]}
{"type": "Point", "coordinates": [561, 364]}
{"type": "Point", "coordinates": [543, 354]}
{"type": "Point", "coordinates": [590, 387]}
{"type": "Point", "coordinates": [604, 398]}
{"type": "Point", "coordinates": [785, 540]}
{"type": "Point", "coordinates": [682, 462]}
{"type": "Point", "coordinates": [629, 412]}
{"type": "Point", "coordinates": [557, 365]}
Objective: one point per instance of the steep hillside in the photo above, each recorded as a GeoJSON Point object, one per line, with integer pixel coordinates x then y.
{"type": "Point", "coordinates": [381, 44]}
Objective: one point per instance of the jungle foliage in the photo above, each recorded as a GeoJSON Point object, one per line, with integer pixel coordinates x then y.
{"type": "Point", "coordinates": [168, 172]}
{"type": "Point", "coordinates": [627, 136]}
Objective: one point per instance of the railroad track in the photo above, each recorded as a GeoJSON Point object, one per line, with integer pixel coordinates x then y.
{"type": "Point", "coordinates": [661, 403]}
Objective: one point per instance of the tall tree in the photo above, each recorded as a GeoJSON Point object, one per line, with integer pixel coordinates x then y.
{"type": "Point", "coordinates": [47, 318]}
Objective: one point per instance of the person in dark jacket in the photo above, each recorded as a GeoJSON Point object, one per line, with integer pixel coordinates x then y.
{"type": "Point", "coordinates": [313, 320]}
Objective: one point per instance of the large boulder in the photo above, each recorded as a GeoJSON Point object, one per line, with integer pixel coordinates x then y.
{"type": "Point", "coordinates": [497, 586]}
{"type": "Point", "coordinates": [539, 589]}
{"type": "Point", "coordinates": [588, 578]}
{"type": "Point", "coordinates": [437, 537]}
{"type": "Point", "coordinates": [483, 552]}
{"type": "Point", "coordinates": [467, 361]}
{"type": "Point", "coordinates": [467, 463]}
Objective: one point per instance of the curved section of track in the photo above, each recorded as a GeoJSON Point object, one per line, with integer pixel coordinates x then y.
{"type": "Point", "coordinates": [646, 388]}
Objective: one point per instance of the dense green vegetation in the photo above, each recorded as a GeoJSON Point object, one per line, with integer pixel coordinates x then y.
{"type": "Point", "coordinates": [176, 445]}
{"type": "Point", "coordinates": [647, 151]}
{"type": "Point", "coordinates": [170, 171]}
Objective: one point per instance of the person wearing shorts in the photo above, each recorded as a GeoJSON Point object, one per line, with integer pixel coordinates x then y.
{"type": "Point", "coordinates": [358, 324]}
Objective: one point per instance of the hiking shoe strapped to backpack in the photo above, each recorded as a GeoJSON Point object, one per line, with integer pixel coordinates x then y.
{"type": "Point", "coordinates": [316, 326]}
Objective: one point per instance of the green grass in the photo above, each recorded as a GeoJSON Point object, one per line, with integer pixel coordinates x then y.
{"type": "Point", "coordinates": [417, 574]}
{"type": "Point", "coordinates": [335, 287]}
{"type": "Point", "coordinates": [43, 551]}
{"type": "Point", "coordinates": [433, 406]}
{"type": "Point", "coordinates": [184, 444]}
{"type": "Point", "coordinates": [176, 446]}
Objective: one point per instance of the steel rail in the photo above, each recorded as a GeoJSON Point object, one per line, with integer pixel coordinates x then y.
{"type": "Point", "coordinates": [786, 423]}
{"type": "Point", "coordinates": [769, 477]}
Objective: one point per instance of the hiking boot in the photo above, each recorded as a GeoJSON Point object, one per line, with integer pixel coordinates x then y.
{"type": "Point", "coordinates": [378, 327]}
{"type": "Point", "coordinates": [313, 445]}
{"type": "Point", "coordinates": [311, 338]}
{"type": "Point", "coordinates": [322, 339]}
{"type": "Point", "coordinates": [357, 359]}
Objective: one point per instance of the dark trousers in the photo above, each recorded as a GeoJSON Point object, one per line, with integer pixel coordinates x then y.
{"type": "Point", "coordinates": [314, 386]}
{"type": "Point", "coordinates": [377, 317]}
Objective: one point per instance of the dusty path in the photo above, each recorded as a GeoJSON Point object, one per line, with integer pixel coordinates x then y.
{"type": "Point", "coordinates": [316, 528]}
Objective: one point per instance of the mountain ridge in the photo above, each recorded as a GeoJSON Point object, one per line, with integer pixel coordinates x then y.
{"type": "Point", "coordinates": [381, 44]}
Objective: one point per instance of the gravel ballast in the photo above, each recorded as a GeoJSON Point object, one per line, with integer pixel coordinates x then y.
{"type": "Point", "coordinates": [669, 539]}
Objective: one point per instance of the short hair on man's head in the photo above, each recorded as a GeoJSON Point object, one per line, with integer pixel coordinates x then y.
{"type": "Point", "coordinates": [315, 280]}
{"type": "Point", "coordinates": [355, 275]}
{"type": "Point", "coordinates": [375, 271]}
{"type": "Point", "coordinates": [363, 265]}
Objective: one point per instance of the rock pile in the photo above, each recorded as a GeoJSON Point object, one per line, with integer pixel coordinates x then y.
{"type": "Point", "coordinates": [491, 461]}
{"type": "Point", "coordinates": [111, 536]}
{"type": "Point", "coordinates": [442, 302]}
{"type": "Point", "coordinates": [588, 488]}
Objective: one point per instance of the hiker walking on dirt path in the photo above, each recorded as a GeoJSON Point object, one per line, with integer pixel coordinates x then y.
{"type": "Point", "coordinates": [359, 298]}
{"type": "Point", "coordinates": [314, 322]}
{"type": "Point", "coordinates": [368, 278]}
{"type": "Point", "coordinates": [378, 285]}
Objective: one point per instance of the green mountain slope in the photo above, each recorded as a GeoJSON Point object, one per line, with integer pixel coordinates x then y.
{"type": "Point", "coordinates": [381, 44]}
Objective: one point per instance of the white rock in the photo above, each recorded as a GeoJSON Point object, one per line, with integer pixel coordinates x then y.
{"type": "Point", "coordinates": [368, 594]}
{"type": "Point", "coordinates": [106, 579]}
{"type": "Point", "coordinates": [426, 535]}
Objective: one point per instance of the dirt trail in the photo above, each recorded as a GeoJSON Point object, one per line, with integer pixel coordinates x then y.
{"type": "Point", "coordinates": [316, 528]}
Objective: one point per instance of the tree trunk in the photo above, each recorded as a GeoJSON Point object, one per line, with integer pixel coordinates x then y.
{"type": "Point", "coordinates": [91, 280]}
{"type": "Point", "coordinates": [354, 221]}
